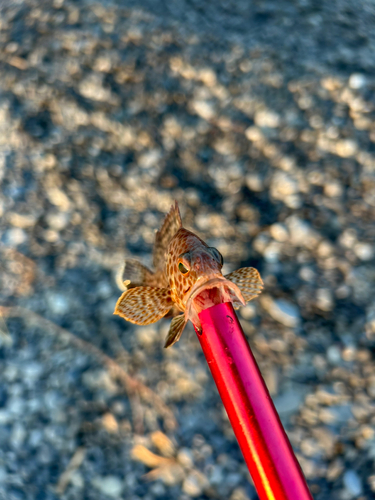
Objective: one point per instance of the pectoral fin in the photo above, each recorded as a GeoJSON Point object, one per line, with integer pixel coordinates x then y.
{"type": "Point", "coordinates": [136, 273]}
{"type": "Point", "coordinates": [174, 334]}
{"type": "Point", "coordinates": [144, 305]}
{"type": "Point", "coordinates": [248, 281]}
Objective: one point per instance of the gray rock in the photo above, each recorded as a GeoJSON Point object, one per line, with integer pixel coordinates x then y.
{"type": "Point", "coordinates": [289, 402]}
{"type": "Point", "coordinates": [352, 483]}
{"type": "Point", "coordinates": [285, 312]}
{"type": "Point", "coordinates": [108, 485]}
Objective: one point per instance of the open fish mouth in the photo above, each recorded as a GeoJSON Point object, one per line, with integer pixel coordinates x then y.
{"type": "Point", "coordinates": [198, 300]}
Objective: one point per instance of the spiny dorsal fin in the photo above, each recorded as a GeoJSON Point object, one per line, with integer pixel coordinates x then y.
{"type": "Point", "coordinates": [171, 225]}
{"type": "Point", "coordinates": [175, 330]}
{"type": "Point", "coordinates": [144, 305]}
{"type": "Point", "coordinates": [248, 281]}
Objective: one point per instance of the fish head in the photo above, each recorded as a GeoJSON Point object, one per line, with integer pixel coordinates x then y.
{"type": "Point", "coordinates": [194, 273]}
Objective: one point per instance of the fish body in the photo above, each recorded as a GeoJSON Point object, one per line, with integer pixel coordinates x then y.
{"type": "Point", "coordinates": [187, 280]}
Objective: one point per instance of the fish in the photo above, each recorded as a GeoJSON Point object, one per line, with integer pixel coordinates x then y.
{"type": "Point", "coordinates": [186, 279]}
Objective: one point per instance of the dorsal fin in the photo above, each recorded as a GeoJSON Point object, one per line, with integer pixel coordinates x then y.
{"type": "Point", "coordinates": [171, 225]}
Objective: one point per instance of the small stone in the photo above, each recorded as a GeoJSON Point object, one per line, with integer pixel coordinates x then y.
{"type": "Point", "coordinates": [216, 476]}
{"type": "Point", "coordinates": [254, 182]}
{"type": "Point", "coordinates": [284, 312]}
{"type": "Point", "coordinates": [267, 118]}
{"type": "Point", "coordinates": [18, 435]}
{"type": "Point", "coordinates": [333, 189]}
{"type": "Point", "coordinates": [5, 417]}
{"type": "Point", "coordinates": [248, 312]}
{"type": "Point", "coordinates": [57, 221]}
{"type": "Point", "coordinates": [194, 484]}
{"type": "Point", "coordinates": [108, 485]}
{"type": "Point", "coordinates": [279, 232]}
{"type": "Point", "coordinates": [92, 88]}
{"type": "Point", "coordinates": [21, 220]}
{"type": "Point", "coordinates": [301, 233]}
{"type": "Point", "coordinates": [306, 273]}
{"type": "Point", "coordinates": [357, 81]}
{"type": "Point", "coordinates": [158, 490]}
{"type": "Point", "coordinates": [282, 186]}
{"type": "Point", "coordinates": [15, 236]}
{"type": "Point", "coordinates": [77, 480]}
{"type": "Point", "coordinates": [110, 423]}
{"type": "Point", "coordinates": [32, 370]}
{"type": "Point", "coordinates": [149, 159]}
{"type": "Point", "coordinates": [57, 303]}
{"type": "Point", "coordinates": [239, 494]}
{"type": "Point", "coordinates": [334, 355]}
{"type": "Point", "coordinates": [324, 299]}
{"type": "Point", "coordinates": [352, 483]}
{"type": "Point", "coordinates": [364, 251]}
{"type": "Point", "coordinates": [348, 238]}
{"type": "Point", "coordinates": [346, 148]}
{"type": "Point", "coordinates": [289, 402]}
{"type": "Point", "coordinates": [342, 291]}
{"type": "Point", "coordinates": [185, 457]}
{"type": "Point", "coordinates": [204, 109]}
{"type": "Point", "coordinates": [3, 475]}
{"type": "Point", "coordinates": [254, 134]}
{"type": "Point", "coordinates": [58, 198]}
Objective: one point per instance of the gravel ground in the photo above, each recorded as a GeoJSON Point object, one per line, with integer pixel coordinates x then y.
{"type": "Point", "coordinates": [258, 117]}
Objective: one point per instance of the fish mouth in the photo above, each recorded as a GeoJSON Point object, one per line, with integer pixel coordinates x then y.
{"type": "Point", "coordinates": [228, 292]}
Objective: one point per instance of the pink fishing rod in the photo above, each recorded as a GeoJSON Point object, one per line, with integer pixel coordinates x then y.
{"type": "Point", "coordinates": [265, 446]}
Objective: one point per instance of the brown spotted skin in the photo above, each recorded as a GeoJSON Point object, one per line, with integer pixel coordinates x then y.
{"type": "Point", "coordinates": [172, 289]}
{"type": "Point", "coordinates": [184, 241]}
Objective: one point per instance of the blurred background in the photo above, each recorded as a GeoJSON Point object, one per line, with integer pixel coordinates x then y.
{"type": "Point", "coordinates": [258, 117]}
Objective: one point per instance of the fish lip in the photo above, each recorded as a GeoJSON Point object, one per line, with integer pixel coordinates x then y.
{"type": "Point", "coordinates": [208, 284]}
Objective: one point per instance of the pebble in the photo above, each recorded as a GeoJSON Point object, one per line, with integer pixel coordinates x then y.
{"type": "Point", "coordinates": [18, 435]}
{"type": "Point", "coordinates": [288, 402]}
{"type": "Point", "coordinates": [58, 303]}
{"type": "Point", "coordinates": [248, 312]}
{"type": "Point", "coordinates": [57, 221]}
{"type": "Point", "coordinates": [282, 186]}
{"type": "Point", "coordinates": [324, 299]}
{"type": "Point", "coordinates": [108, 485]}
{"type": "Point", "coordinates": [357, 81]}
{"type": "Point", "coordinates": [15, 236]}
{"type": "Point", "coordinates": [301, 233]}
{"type": "Point", "coordinates": [254, 182]}
{"type": "Point", "coordinates": [194, 484]}
{"type": "Point", "coordinates": [279, 232]}
{"type": "Point", "coordinates": [352, 483]}
{"type": "Point", "coordinates": [285, 312]}
{"type": "Point", "coordinates": [267, 118]}
{"type": "Point", "coordinates": [334, 355]}
{"type": "Point", "coordinates": [364, 251]}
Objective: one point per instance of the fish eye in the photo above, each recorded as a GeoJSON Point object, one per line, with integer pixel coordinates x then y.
{"type": "Point", "coordinates": [182, 268]}
{"type": "Point", "coordinates": [217, 255]}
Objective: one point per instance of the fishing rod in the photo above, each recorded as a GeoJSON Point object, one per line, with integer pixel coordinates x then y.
{"type": "Point", "coordinates": [265, 446]}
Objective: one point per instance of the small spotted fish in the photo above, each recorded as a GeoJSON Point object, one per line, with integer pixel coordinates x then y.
{"type": "Point", "coordinates": [187, 280]}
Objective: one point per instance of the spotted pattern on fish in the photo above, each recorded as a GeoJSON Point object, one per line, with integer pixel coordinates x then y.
{"type": "Point", "coordinates": [187, 279]}
{"type": "Point", "coordinates": [182, 242]}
